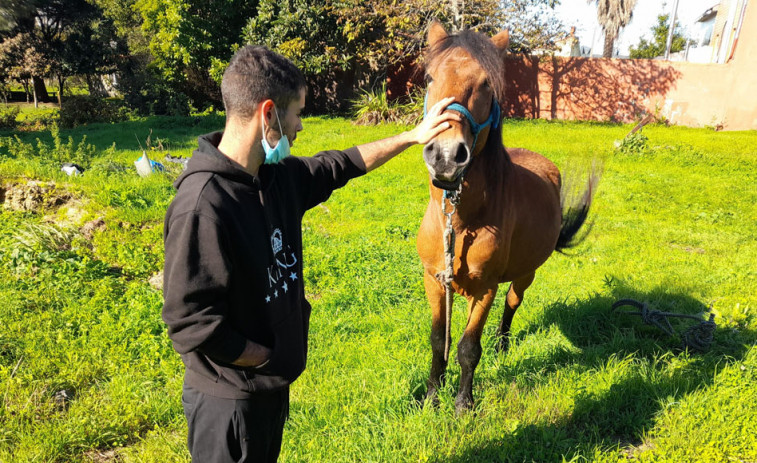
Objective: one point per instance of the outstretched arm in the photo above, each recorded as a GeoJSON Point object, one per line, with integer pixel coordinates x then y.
{"type": "Point", "coordinates": [436, 121]}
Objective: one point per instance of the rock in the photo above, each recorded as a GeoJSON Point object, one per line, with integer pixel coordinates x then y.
{"type": "Point", "coordinates": [156, 281]}
{"type": "Point", "coordinates": [62, 398]}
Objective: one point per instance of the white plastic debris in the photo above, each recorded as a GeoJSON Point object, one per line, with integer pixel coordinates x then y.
{"type": "Point", "coordinates": [72, 169]}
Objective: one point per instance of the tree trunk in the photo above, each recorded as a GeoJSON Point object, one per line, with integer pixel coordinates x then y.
{"type": "Point", "coordinates": [609, 45]}
{"type": "Point", "coordinates": [457, 14]}
{"type": "Point", "coordinates": [40, 91]}
{"type": "Point", "coordinates": [61, 81]}
{"type": "Point", "coordinates": [96, 87]}
{"type": "Point", "coordinates": [25, 83]}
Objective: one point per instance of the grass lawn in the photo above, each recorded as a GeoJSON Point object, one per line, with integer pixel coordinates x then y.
{"type": "Point", "coordinates": [87, 372]}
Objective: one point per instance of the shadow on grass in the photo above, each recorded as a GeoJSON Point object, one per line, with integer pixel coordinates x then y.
{"type": "Point", "coordinates": [181, 132]}
{"type": "Point", "coordinates": [622, 414]}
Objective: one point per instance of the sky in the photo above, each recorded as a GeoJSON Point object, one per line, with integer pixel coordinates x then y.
{"type": "Point", "coordinates": [583, 15]}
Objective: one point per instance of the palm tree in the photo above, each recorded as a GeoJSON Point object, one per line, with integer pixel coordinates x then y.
{"type": "Point", "coordinates": [613, 15]}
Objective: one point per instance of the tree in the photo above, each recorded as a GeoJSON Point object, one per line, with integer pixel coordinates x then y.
{"type": "Point", "coordinates": [21, 59]}
{"type": "Point", "coordinates": [656, 46]}
{"type": "Point", "coordinates": [51, 38]}
{"type": "Point", "coordinates": [354, 41]}
{"type": "Point", "coordinates": [187, 36]}
{"type": "Point", "coordinates": [533, 25]}
{"type": "Point", "coordinates": [306, 32]}
{"type": "Point", "coordinates": [127, 23]}
{"type": "Point", "coordinates": [385, 32]}
{"type": "Point", "coordinates": [613, 15]}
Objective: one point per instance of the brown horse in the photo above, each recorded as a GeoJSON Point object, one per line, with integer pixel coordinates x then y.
{"type": "Point", "coordinates": [510, 216]}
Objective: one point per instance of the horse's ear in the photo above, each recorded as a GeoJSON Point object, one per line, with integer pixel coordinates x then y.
{"type": "Point", "coordinates": [502, 41]}
{"type": "Point", "coordinates": [436, 33]}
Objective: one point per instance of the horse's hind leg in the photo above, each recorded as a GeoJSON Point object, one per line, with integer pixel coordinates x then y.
{"type": "Point", "coordinates": [469, 347]}
{"type": "Point", "coordinates": [512, 302]}
{"type": "Point", "coordinates": [436, 299]}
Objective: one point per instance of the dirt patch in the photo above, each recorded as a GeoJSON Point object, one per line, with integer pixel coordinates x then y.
{"type": "Point", "coordinates": [689, 249]}
{"type": "Point", "coordinates": [88, 229]}
{"type": "Point", "coordinates": [102, 456]}
{"type": "Point", "coordinates": [632, 452]}
{"type": "Point", "coordinates": [33, 196]}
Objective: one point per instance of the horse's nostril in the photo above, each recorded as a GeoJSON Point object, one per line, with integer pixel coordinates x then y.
{"type": "Point", "coordinates": [430, 153]}
{"type": "Point", "coordinates": [461, 153]}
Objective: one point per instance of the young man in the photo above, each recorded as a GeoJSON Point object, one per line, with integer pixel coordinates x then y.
{"type": "Point", "coordinates": [233, 288]}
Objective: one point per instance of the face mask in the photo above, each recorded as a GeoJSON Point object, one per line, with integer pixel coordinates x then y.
{"type": "Point", "coordinates": [281, 150]}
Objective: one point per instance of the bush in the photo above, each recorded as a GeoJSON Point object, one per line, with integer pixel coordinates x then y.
{"type": "Point", "coordinates": [38, 120]}
{"type": "Point", "coordinates": [635, 143]}
{"type": "Point", "coordinates": [59, 152]}
{"type": "Point", "coordinates": [159, 100]}
{"type": "Point", "coordinates": [8, 116]}
{"type": "Point", "coordinates": [85, 109]}
{"type": "Point", "coordinates": [148, 95]}
{"type": "Point", "coordinates": [373, 107]}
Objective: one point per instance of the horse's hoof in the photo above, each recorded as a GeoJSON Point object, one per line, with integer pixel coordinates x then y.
{"type": "Point", "coordinates": [463, 404]}
{"type": "Point", "coordinates": [431, 399]}
{"type": "Point", "coordinates": [503, 344]}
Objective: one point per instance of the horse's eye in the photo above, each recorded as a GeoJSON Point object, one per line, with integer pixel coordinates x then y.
{"type": "Point", "coordinates": [429, 79]}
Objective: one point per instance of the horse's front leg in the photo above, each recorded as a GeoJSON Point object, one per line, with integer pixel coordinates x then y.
{"type": "Point", "coordinates": [469, 347]}
{"type": "Point", "coordinates": [436, 299]}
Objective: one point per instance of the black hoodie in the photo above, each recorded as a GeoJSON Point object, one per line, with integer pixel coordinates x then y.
{"type": "Point", "coordinates": [233, 266]}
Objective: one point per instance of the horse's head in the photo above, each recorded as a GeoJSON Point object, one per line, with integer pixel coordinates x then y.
{"type": "Point", "coordinates": [469, 67]}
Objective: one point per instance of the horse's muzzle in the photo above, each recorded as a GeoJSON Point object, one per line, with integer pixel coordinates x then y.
{"type": "Point", "coordinates": [446, 161]}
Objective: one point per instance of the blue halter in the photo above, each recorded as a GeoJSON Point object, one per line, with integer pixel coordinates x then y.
{"type": "Point", "coordinates": [493, 119]}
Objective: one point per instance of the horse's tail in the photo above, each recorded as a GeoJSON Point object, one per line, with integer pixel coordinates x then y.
{"type": "Point", "coordinates": [575, 210]}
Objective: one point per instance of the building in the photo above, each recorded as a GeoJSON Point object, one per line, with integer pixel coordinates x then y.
{"type": "Point", "coordinates": [716, 33]}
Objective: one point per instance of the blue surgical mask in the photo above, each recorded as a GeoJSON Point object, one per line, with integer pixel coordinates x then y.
{"type": "Point", "coordinates": [278, 152]}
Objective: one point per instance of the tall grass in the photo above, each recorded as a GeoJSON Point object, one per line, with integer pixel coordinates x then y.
{"type": "Point", "coordinates": [674, 226]}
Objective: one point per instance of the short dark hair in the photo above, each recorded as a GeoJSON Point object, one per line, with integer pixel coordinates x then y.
{"type": "Point", "coordinates": [255, 74]}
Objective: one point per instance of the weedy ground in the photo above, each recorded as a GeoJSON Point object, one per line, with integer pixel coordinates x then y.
{"type": "Point", "coordinates": [87, 372]}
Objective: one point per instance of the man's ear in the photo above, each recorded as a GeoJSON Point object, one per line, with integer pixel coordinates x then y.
{"type": "Point", "coordinates": [502, 41]}
{"type": "Point", "coordinates": [266, 108]}
{"type": "Point", "coordinates": [436, 33]}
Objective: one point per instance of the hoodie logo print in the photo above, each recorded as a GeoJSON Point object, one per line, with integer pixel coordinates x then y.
{"type": "Point", "coordinates": [280, 271]}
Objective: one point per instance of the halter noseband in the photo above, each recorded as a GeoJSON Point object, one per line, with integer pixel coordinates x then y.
{"type": "Point", "coordinates": [493, 119]}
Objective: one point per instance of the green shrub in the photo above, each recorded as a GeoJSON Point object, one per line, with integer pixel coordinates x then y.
{"type": "Point", "coordinates": [635, 143]}
{"type": "Point", "coordinates": [84, 109]}
{"type": "Point", "coordinates": [81, 153]}
{"type": "Point", "coordinates": [38, 120]}
{"type": "Point", "coordinates": [59, 152]}
{"type": "Point", "coordinates": [374, 107]}
{"type": "Point", "coordinates": [16, 148]}
{"type": "Point", "coordinates": [149, 96]}
{"type": "Point", "coordinates": [45, 237]}
{"type": "Point", "coordinates": [8, 115]}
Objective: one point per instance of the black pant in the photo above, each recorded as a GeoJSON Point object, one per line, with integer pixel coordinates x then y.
{"type": "Point", "coordinates": [228, 430]}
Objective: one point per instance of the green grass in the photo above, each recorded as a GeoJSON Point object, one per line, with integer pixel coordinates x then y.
{"type": "Point", "coordinates": [674, 226]}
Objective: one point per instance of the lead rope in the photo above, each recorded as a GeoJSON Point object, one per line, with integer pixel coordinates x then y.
{"type": "Point", "coordinates": [698, 337]}
{"type": "Point", "coordinates": [445, 277]}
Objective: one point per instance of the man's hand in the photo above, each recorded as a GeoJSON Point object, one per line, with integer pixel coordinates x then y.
{"type": "Point", "coordinates": [435, 122]}
{"type": "Point", "coordinates": [254, 355]}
